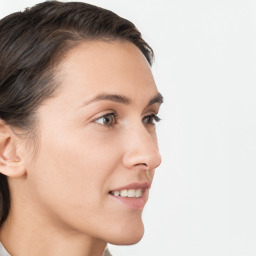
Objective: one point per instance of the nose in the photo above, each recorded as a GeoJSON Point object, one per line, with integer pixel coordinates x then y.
{"type": "Point", "coordinates": [141, 149]}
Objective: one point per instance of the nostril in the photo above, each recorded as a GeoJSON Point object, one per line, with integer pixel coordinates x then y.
{"type": "Point", "coordinates": [143, 164]}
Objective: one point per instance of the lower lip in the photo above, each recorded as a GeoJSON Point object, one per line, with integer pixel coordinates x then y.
{"type": "Point", "coordinates": [132, 202]}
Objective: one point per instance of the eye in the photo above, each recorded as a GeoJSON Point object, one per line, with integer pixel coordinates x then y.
{"type": "Point", "coordinates": [151, 119]}
{"type": "Point", "coordinates": [108, 120]}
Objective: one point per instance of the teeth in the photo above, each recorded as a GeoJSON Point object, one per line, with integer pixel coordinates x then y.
{"type": "Point", "coordinates": [116, 193]}
{"type": "Point", "coordinates": [123, 193]}
{"type": "Point", "coordinates": [138, 193]}
{"type": "Point", "coordinates": [128, 193]}
{"type": "Point", "coordinates": [131, 193]}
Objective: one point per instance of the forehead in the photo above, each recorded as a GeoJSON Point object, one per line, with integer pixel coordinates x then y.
{"type": "Point", "coordinates": [111, 67]}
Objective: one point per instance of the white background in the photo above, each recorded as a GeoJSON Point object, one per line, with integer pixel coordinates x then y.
{"type": "Point", "coordinates": [203, 200]}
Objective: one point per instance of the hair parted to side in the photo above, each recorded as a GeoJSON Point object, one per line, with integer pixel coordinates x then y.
{"type": "Point", "coordinates": [33, 43]}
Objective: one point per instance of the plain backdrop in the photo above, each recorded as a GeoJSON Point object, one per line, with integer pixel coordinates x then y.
{"type": "Point", "coordinates": [203, 200]}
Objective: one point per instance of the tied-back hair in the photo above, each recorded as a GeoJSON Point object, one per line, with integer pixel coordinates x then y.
{"type": "Point", "coordinates": [32, 44]}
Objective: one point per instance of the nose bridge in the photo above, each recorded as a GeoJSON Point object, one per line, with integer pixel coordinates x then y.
{"type": "Point", "coordinates": [142, 148]}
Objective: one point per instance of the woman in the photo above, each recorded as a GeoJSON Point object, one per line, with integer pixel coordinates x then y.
{"type": "Point", "coordinates": [78, 147]}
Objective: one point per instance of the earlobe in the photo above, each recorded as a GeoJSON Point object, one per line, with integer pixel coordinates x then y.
{"type": "Point", "coordinates": [11, 164]}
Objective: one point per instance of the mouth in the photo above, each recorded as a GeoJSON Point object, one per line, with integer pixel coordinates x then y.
{"type": "Point", "coordinates": [133, 195]}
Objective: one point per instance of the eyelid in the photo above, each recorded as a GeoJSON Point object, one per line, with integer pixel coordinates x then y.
{"type": "Point", "coordinates": [102, 114]}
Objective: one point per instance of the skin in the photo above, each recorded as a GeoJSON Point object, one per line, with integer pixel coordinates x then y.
{"type": "Point", "coordinates": [61, 194]}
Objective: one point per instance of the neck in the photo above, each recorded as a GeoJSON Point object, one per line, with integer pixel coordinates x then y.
{"type": "Point", "coordinates": [24, 234]}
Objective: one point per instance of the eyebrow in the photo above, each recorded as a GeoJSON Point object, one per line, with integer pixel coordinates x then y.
{"type": "Point", "coordinates": [156, 99]}
{"type": "Point", "coordinates": [122, 99]}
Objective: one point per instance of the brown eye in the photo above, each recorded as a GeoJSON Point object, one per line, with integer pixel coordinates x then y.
{"type": "Point", "coordinates": [151, 119]}
{"type": "Point", "coordinates": [107, 120]}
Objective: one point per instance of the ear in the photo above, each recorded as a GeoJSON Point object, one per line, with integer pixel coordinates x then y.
{"type": "Point", "coordinates": [11, 164]}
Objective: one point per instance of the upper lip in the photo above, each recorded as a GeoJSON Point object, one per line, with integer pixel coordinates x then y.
{"type": "Point", "coordinates": [134, 185]}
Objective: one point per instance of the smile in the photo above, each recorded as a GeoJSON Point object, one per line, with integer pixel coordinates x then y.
{"type": "Point", "coordinates": [134, 195]}
{"type": "Point", "coordinates": [127, 193]}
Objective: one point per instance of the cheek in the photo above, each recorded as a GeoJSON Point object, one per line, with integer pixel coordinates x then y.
{"type": "Point", "coordinates": [70, 180]}
{"type": "Point", "coordinates": [72, 172]}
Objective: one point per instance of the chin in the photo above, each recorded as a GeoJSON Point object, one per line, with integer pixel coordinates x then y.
{"type": "Point", "coordinates": [126, 240]}
{"type": "Point", "coordinates": [127, 236]}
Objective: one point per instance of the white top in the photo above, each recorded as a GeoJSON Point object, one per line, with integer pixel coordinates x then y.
{"type": "Point", "coordinates": [3, 252]}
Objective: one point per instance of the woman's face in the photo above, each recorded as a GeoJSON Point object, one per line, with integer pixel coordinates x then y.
{"type": "Point", "coordinates": [97, 139]}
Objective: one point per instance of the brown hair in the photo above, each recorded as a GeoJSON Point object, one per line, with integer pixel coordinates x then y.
{"type": "Point", "coordinates": [32, 44]}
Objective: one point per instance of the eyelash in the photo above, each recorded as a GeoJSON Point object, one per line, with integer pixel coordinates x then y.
{"type": "Point", "coordinates": [152, 119]}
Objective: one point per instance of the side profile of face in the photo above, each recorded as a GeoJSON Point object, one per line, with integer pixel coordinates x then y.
{"type": "Point", "coordinates": [97, 142]}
